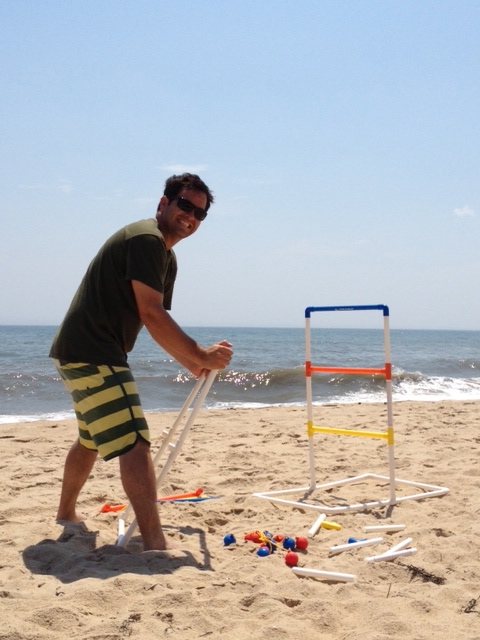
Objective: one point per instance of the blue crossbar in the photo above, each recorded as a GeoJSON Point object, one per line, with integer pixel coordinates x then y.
{"type": "Point", "coordinates": [368, 307]}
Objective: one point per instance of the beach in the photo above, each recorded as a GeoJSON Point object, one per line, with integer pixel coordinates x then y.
{"type": "Point", "coordinates": [72, 581]}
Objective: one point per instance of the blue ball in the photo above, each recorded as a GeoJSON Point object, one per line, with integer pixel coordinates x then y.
{"type": "Point", "coordinates": [229, 539]}
{"type": "Point", "coordinates": [289, 543]}
{"type": "Point", "coordinates": [352, 540]}
{"type": "Point", "coordinates": [263, 551]}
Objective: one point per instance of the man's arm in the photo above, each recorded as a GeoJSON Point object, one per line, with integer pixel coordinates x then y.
{"type": "Point", "coordinates": [167, 333]}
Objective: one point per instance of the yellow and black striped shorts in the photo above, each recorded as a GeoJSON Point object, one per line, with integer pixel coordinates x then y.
{"type": "Point", "coordinates": [107, 405]}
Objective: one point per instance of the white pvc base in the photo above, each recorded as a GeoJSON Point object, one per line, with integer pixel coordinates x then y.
{"type": "Point", "coordinates": [427, 491]}
{"type": "Point", "coordinates": [324, 575]}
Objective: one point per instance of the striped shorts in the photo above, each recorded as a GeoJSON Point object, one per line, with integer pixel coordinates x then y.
{"type": "Point", "coordinates": [107, 405]}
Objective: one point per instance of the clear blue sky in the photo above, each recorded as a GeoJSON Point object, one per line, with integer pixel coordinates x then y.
{"type": "Point", "coordinates": [341, 140]}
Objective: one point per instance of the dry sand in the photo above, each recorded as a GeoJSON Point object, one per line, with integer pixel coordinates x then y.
{"type": "Point", "coordinates": [73, 582]}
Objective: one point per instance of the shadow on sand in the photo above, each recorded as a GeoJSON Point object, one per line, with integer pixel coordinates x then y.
{"type": "Point", "coordinates": [75, 556]}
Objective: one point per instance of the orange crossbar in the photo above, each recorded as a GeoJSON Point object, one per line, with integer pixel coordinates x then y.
{"type": "Point", "coordinates": [367, 372]}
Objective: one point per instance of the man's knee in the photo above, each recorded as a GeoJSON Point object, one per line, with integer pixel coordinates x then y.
{"type": "Point", "coordinates": [139, 451]}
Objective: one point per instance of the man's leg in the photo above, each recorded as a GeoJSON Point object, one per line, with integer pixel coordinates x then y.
{"type": "Point", "coordinates": [78, 465]}
{"type": "Point", "coordinates": [138, 479]}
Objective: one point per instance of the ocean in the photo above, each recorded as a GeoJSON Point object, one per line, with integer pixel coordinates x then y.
{"type": "Point", "coordinates": [267, 369]}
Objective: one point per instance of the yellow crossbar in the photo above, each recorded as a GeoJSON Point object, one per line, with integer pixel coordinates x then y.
{"type": "Point", "coordinates": [351, 432]}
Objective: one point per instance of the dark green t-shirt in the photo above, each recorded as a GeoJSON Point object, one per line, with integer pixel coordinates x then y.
{"type": "Point", "coordinates": [102, 323]}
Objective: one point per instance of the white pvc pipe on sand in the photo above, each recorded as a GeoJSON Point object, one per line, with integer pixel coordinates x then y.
{"type": "Point", "coordinates": [317, 524]}
{"type": "Point", "coordinates": [325, 575]}
{"type": "Point", "coordinates": [401, 545]}
{"type": "Point", "coordinates": [385, 527]}
{"type": "Point", "coordinates": [385, 557]}
{"type": "Point", "coordinates": [353, 545]}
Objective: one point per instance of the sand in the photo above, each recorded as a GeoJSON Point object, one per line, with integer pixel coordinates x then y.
{"type": "Point", "coordinates": [73, 582]}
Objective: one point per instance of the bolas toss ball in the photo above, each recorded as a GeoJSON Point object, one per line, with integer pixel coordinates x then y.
{"type": "Point", "coordinates": [253, 537]}
{"type": "Point", "coordinates": [291, 559]}
{"type": "Point", "coordinates": [289, 543]}
{"type": "Point", "coordinates": [352, 540]}
{"type": "Point", "coordinates": [263, 551]}
{"type": "Point", "coordinates": [301, 543]}
{"type": "Point", "coordinates": [229, 539]}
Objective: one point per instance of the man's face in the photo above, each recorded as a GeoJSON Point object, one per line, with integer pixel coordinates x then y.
{"type": "Point", "coordinates": [174, 221]}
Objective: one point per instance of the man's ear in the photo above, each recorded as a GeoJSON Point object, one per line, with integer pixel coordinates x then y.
{"type": "Point", "coordinates": [162, 204]}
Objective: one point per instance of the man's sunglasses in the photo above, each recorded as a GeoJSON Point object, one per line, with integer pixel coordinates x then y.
{"type": "Point", "coordinates": [187, 206]}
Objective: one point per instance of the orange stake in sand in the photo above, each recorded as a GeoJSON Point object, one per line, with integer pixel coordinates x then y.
{"type": "Point", "coordinates": [182, 496]}
{"type": "Point", "coordinates": [109, 509]}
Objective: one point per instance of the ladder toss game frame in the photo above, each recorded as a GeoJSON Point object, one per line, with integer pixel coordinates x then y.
{"type": "Point", "coordinates": [423, 490]}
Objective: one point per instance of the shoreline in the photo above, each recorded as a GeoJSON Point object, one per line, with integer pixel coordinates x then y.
{"type": "Point", "coordinates": [73, 581]}
{"type": "Point", "coordinates": [29, 419]}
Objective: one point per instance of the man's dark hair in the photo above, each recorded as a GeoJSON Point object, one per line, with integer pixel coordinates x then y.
{"type": "Point", "coordinates": [175, 184]}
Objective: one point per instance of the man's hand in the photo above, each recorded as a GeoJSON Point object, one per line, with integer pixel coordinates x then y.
{"type": "Point", "coordinates": [218, 356]}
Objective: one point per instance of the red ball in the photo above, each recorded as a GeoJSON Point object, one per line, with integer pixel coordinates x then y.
{"type": "Point", "coordinates": [301, 543]}
{"type": "Point", "coordinates": [253, 537]}
{"type": "Point", "coordinates": [291, 559]}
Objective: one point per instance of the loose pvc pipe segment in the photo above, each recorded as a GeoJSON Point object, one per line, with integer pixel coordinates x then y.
{"type": "Point", "coordinates": [401, 545]}
{"type": "Point", "coordinates": [391, 553]}
{"type": "Point", "coordinates": [325, 575]}
{"type": "Point", "coordinates": [317, 524]}
{"type": "Point", "coordinates": [385, 527]}
{"type": "Point", "coordinates": [385, 557]}
{"type": "Point", "coordinates": [353, 545]}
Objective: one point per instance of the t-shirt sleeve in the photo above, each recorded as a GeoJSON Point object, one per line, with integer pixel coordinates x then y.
{"type": "Point", "coordinates": [149, 262]}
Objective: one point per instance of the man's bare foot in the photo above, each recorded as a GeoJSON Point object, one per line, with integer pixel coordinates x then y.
{"type": "Point", "coordinates": [159, 547]}
{"type": "Point", "coordinates": [163, 544]}
{"type": "Point", "coordinates": [75, 519]}
{"type": "Point", "coordinates": [170, 551]}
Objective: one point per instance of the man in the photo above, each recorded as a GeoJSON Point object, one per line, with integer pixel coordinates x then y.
{"type": "Point", "coordinates": [128, 284]}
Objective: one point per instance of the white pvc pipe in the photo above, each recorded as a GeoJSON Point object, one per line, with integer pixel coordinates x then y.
{"type": "Point", "coordinates": [320, 507]}
{"type": "Point", "coordinates": [305, 505]}
{"type": "Point", "coordinates": [388, 391]}
{"type": "Point", "coordinates": [171, 432]}
{"type": "Point", "coordinates": [391, 459]}
{"type": "Point", "coordinates": [401, 545]}
{"type": "Point", "coordinates": [123, 538]}
{"type": "Point", "coordinates": [326, 575]}
{"type": "Point", "coordinates": [317, 524]}
{"type": "Point", "coordinates": [166, 442]}
{"type": "Point", "coordinates": [385, 527]}
{"type": "Point", "coordinates": [385, 557]}
{"type": "Point", "coordinates": [353, 545]}
{"type": "Point", "coordinates": [391, 552]}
